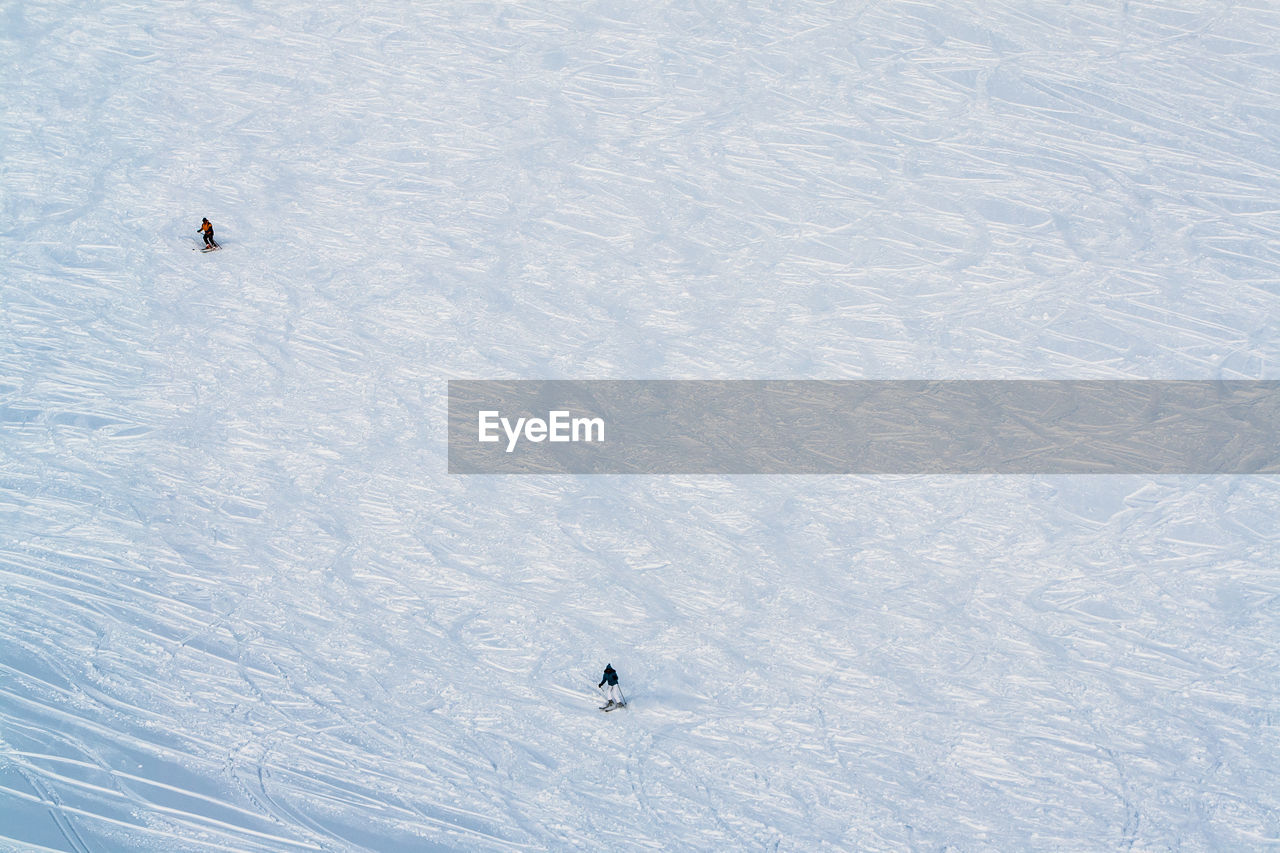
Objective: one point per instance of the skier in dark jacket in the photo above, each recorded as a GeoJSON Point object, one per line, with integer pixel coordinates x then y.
{"type": "Point", "coordinates": [614, 693]}
{"type": "Point", "coordinates": [206, 228]}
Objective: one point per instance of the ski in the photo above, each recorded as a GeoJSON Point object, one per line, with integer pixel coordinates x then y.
{"type": "Point", "coordinates": [608, 708]}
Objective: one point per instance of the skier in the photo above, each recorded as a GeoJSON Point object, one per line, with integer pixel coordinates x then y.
{"type": "Point", "coordinates": [206, 228]}
{"type": "Point", "coordinates": [614, 693]}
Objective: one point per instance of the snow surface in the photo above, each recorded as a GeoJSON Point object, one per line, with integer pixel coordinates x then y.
{"type": "Point", "coordinates": [243, 607]}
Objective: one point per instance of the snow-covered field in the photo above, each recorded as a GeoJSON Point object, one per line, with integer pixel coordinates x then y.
{"type": "Point", "coordinates": [244, 607]}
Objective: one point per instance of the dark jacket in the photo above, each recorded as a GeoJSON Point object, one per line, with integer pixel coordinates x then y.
{"type": "Point", "coordinates": [610, 676]}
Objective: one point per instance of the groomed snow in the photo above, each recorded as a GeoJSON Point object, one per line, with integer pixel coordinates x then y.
{"type": "Point", "coordinates": [244, 607]}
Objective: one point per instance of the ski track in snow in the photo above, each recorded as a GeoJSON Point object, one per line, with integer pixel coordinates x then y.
{"type": "Point", "coordinates": [242, 607]}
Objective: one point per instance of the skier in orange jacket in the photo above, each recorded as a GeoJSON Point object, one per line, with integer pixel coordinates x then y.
{"type": "Point", "coordinates": [206, 228]}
